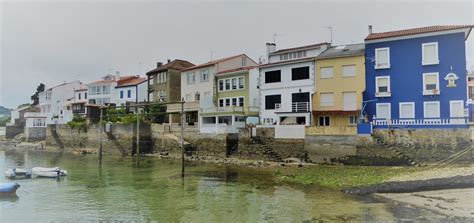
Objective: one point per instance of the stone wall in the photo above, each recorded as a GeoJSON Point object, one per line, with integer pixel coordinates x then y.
{"type": "Point", "coordinates": [421, 145]}
{"type": "Point", "coordinates": [322, 148]}
{"type": "Point", "coordinates": [35, 134]}
{"type": "Point", "coordinates": [12, 131]}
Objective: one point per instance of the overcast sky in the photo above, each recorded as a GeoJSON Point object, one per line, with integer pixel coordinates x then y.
{"type": "Point", "coordinates": [54, 41]}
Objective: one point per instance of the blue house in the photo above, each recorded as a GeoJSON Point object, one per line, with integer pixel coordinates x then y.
{"type": "Point", "coordinates": [416, 78]}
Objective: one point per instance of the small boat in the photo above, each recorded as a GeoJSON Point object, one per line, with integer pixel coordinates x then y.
{"type": "Point", "coordinates": [8, 188]}
{"type": "Point", "coordinates": [48, 172]}
{"type": "Point", "coordinates": [16, 173]}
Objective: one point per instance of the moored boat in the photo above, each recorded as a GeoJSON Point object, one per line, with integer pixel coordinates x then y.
{"type": "Point", "coordinates": [8, 188]}
{"type": "Point", "coordinates": [48, 172]}
{"type": "Point", "coordinates": [16, 173]}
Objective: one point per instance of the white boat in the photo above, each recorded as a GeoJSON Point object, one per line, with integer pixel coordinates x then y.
{"type": "Point", "coordinates": [16, 173]}
{"type": "Point", "coordinates": [48, 172]}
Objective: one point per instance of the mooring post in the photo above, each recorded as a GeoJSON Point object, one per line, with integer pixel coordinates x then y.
{"type": "Point", "coordinates": [100, 136]}
{"type": "Point", "coordinates": [182, 139]}
{"type": "Point", "coordinates": [138, 135]}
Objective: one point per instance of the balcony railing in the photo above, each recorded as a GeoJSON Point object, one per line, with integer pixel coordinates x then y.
{"type": "Point", "coordinates": [415, 122]}
{"type": "Point", "coordinates": [295, 107]}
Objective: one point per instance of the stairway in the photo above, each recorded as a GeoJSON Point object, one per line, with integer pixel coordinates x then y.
{"type": "Point", "coordinates": [266, 150]}
{"type": "Point", "coordinates": [396, 153]}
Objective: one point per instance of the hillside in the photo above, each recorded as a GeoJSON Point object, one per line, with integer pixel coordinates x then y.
{"type": "Point", "coordinates": [4, 111]}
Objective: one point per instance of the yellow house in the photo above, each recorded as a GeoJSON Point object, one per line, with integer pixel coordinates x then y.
{"type": "Point", "coordinates": [340, 82]}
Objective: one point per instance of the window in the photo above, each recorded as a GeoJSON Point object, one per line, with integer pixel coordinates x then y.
{"type": "Point", "coordinates": [241, 101]}
{"type": "Point", "coordinates": [191, 78]}
{"type": "Point", "coordinates": [121, 94]}
{"type": "Point", "coordinates": [105, 89]}
{"type": "Point", "coordinates": [430, 84]}
{"type": "Point", "coordinates": [227, 102]}
{"type": "Point", "coordinates": [204, 75]}
{"type": "Point", "coordinates": [300, 73]}
{"type": "Point", "coordinates": [352, 120]}
{"type": "Point", "coordinates": [234, 101]}
{"type": "Point", "coordinates": [349, 70]}
{"type": "Point", "coordinates": [327, 99]}
{"type": "Point", "coordinates": [407, 110]}
{"type": "Point", "coordinates": [431, 109]}
{"type": "Point", "coordinates": [429, 53]}
{"type": "Point", "coordinates": [221, 85]}
{"type": "Point", "coordinates": [79, 96]}
{"type": "Point", "coordinates": [271, 100]}
{"type": "Point", "coordinates": [382, 58]}
{"type": "Point", "coordinates": [129, 93]}
{"type": "Point", "coordinates": [324, 121]}
{"type": "Point", "coordinates": [456, 109]}
{"type": "Point", "coordinates": [221, 102]}
{"type": "Point", "coordinates": [241, 82]}
{"type": "Point", "coordinates": [382, 85]}
{"type": "Point", "coordinates": [383, 111]}
{"type": "Point", "coordinates": [85, 95]}
{"type": "Point", "coordinates": [234, 83]}
{"type": "Point", "coordinates": [273, 76]}
{"type": "Point", "coordinates": [227, 84]}
{"type": "Point", "coordinates": [197, 96]}
{"type": "Point", "coordinates": [349, 100]}
{"type": "Point", "coordinates": [326, 72]}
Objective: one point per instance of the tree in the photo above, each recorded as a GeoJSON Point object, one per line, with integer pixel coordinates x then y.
{"type": "Point", "coordinates": [35, 97]}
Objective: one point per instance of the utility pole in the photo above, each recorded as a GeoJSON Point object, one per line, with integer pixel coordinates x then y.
{"type": "Point", "coordinates": [182, 139]}
{"type": "Point", "coordinates": [138, 136]}
{"type": "Point", "coordinates": [100, 136]}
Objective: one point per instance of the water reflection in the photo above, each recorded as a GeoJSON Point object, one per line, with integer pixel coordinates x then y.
{"type": "Point", "coordinates": [154, 190]}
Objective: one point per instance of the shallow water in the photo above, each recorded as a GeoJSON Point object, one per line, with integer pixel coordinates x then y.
{"type": "Point", "coordinates": [154, 191]}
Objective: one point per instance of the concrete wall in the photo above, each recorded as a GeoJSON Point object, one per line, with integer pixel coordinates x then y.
{"type": "Point", "coordinates": [330, 130]}
{"type": "Point", "coordinates": [12, 131]}
{"type": "Point", "coordinates": [321, 148]}
{"type": "Point", "coordinates": [289, 131]}
{"type": "Point", "coordinates": [35, 134]}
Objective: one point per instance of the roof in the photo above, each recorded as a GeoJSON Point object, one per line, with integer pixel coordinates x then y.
{"type": "Point", "coordinates": [59, 85]}
{"type": "Point", "coordinates": [287, 62]}
{"type": "Point", "coordinates": [343, 51]}
{"type": "Point", "coordinates": [213, 62]}
{"type": "Point", "coordinates": [299, 48]}
{"type": "Point", "coordinates": [175, 65]}
{"type": "Point", "coordinates": [420, 30]}
{"type": "Point", "coordinates": [112, 81]}
{"type": "Point", "coordinates": [130, 81]}
{"type": "Point", "coordinates": [82, 87]}
{"type": "Point", "coordinates": [235, 70]}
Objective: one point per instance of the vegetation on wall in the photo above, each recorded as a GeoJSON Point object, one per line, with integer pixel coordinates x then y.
{"type": "Point", "coordinates": [78, 122]}
{"type": "Point", "coordinates": [4, 121]}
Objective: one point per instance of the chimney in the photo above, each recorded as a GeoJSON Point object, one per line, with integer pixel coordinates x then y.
{"type": "Point", "coordinates": [159, 64]}
{"type": "Point", "coordinates": [169, 60]}
{"type": "Point", "coordinates": [370, 29]}
{"type": "Point", "coordinates": [271, 47]}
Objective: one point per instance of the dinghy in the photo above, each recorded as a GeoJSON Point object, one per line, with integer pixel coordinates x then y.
{"type": "Point", "coordinates": [16, 173]}
{"type": "Point", "coordinates": [7, 189]}
{"type": "Point", "coordinates": [48, 172]}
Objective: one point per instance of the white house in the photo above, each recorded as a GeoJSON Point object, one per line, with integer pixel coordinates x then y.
{"type": "Point", "coordinates": [78, 104]}
{"type": "Point", "coordinates": [287, 84]}
{"type": "Point", "coordinates": [55, 102]}
{"type": "Point", "coordinates": [131, 89]}
{"type": "Point", "coordinates": [102, 92]}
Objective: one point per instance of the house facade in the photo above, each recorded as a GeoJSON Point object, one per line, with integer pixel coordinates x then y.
{"type": "Point", "coordinates": [234, 104]}
{"type": "Point", "coordinates": [197, 82]}
{"type": "Point", "coordinates": [78, 104]}
{"type": "Point", "coordinates": [287, 84]}
{"type": "Point", "coordinates": [55, 102]}
{"type": "Point", "coordinates": [102, 92]}
{"type": "Point", "coordinates": [340, 82]}
{"type": "Point", "coordinates": [416, 78]}
{"type": "Point", "coordinates": [131, 89]}
{"type": "Point", "coordinates": [164, 84]}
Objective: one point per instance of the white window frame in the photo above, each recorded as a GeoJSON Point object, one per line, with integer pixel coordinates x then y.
{"type": "Point", "coordinates": [382, 94]}
{"type": "Point", "coordinates": [203, 73]}
{"type": "Point", "coordinates": [230, 84]}
{"type": "Point", "coordinates": [431, 92]}
{"type": "Point", "coordinates": [400, 110]}
{"type": "Point", "coordinates": [188, 75]}
{"type": "Point", "coordinates": [349, 75]}
{"type": "Point", "coordinates": [424, 109]}
{"type": "Point", "coordinates": [326, 77]}
{"type": "Point", "coordinates": [383, 104]}
{"type": "Point", "coordinates": [423, 61]}
{"type": "Point", "coordinates": [388, 58]}
{"type": "Point", "coordinates": [451, 113]}
{"type": "Point", "coordinates": [356, 119]}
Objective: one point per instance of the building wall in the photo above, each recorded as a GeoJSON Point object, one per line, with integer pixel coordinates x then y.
{"type": "Point", "coordinates": [309, 53]}
{"type": "Point", "coordinates": [406, 73]}
{"type": "Point", "coordinates": [198, 86]}
{"type": "Point", "coordinates": [59, 109]}
{"type": "Point", "coordinates": [235, 63]}
{"type": "Point", "coordinates": [339, 84]}
{"type": "Point", "coordinates": [112, 96]}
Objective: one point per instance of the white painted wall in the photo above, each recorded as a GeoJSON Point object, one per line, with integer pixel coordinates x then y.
{"type": "Point", "coordinates": [309, 53]}
{"type": "Point", "coordinates": [254, 97]}
{"type": "Point", "coordinates": [285, 88]}
{"type": "Point", "coordinates": [289, 132]}
{"type": "Point", "coordinates": [56, 107]}
{"type": "Point", "coordinates": [199, 86]}
{"type": "Point", "coordinates": [111, 96]}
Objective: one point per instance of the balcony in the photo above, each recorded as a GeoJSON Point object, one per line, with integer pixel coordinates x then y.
{"type": "Point", "coordinates": [295, 107]}
{"type": "Point", "coordinates": [431, 92]}
{"type": "Point", "coordinates": [419, 122]}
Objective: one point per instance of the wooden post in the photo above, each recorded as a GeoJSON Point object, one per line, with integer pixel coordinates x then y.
{"type": "Point", "coordinates": [100, 136]}
{"type": "Point", "coordinates": [182, 139]}
{"type": "Point", "coordinates": [138, 135]}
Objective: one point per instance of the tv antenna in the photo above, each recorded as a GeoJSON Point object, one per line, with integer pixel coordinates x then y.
{"type": "Point", "coordinates": [330, 29]}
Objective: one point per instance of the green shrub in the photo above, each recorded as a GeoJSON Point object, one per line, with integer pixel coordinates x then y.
{"type": "Point", "coordinates": [78, 122]}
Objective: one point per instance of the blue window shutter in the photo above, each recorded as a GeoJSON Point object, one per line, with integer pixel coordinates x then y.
{"type": "Point", "coordinates": [129, 93]}
{"type": "Point", "coordinates": [121, 94]}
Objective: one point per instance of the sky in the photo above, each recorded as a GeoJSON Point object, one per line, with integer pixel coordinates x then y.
{"type": "Point", "coordinates": [52, 42]}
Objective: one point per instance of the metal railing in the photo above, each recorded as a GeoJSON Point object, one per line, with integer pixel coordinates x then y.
{"type": "Point", "coordinates": [436, 121]}
{"type": "Point", "coordinates": [295, 107]}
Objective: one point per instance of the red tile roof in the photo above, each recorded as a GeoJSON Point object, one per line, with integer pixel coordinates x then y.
{"type": "Point", "coordinates": [130, 81]}
{"type": "Point", "coordinates": [235, 70]}
{"type": "Point", "coordinates": [414, 31]}
{"type": "Point", "coordinates": [175, 65]}
{"type": "Point", "coordinates": [299, 48]}
{"type": "Point", "coordinates": [213, 62]}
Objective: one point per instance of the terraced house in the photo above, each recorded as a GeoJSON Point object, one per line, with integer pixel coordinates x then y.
{"type": "Point", "coordinates": [340, 82]}
{"type": "Point", "coordinates": [197, 83]}
{"type": "Point", "coordinates": [235, 102]}
{"type": "Point", "coordinates": [416, 78]}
